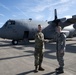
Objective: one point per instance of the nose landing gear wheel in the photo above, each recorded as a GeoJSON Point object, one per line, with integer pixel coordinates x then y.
{"type": "Point", "coordinates": [14, 42]}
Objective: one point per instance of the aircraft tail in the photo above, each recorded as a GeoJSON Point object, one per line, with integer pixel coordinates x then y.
{"type": "Point", "coordinates": [56, 20]}
{"type": "Point", "coordinates": [55, 12]}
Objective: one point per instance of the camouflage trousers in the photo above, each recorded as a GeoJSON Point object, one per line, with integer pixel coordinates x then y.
{"type": "Point", "coordinates": [38, 54]}
{"type": "Point", "coordinates": [60, 59]}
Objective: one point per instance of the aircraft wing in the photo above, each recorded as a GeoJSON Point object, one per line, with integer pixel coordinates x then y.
{"type": "Point", "coordinates": [63, 22]}
{"type": "Point", "coordinates": [68, 22]}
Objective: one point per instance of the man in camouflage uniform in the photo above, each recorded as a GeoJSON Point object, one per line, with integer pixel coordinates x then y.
{"type": "Point", "coordinates": [39, 45]}
{"type": "Point", "coordinates": [60, 46]}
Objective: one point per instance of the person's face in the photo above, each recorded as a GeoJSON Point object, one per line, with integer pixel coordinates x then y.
{"type": "Point", "coordinates": [39, 28]}
{"type": "Point", "coordinates": [58, 29]}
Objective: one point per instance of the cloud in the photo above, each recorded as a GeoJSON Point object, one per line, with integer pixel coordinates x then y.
{"type": "Point", "coordinates": [65, 6]}
{"type": "Point", "coordinates": [48, 5]}
{"type": "Point", "coordinates": [2, 15]}
{"type": "Point", "coordinates": [2, 5]}
{"type": "Point", "coordinates": [63, 1]}
{"type": "Point", "coordinates": [36, 8]}
{"type": "Point", "coordinates": [14, 15]}
{"type": "Point", "coordinates": [1, 23]}
{"type": "Point", "coordinates": [21, 11]}
{"type": "Point", "coordinates": [39, 17]}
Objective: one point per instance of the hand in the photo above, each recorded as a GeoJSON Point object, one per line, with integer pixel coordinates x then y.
{"type": "Point", "coordinates": [62, 51]}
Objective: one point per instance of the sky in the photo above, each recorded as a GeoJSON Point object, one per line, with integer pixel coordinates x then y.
{"type": "Point", "coordinates": [36, 9]}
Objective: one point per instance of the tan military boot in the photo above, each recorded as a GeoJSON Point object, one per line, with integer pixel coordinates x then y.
{"type": "Point", "coordinates": [41, 69]}
{"type": "Point", "coordinates": [36, 69]}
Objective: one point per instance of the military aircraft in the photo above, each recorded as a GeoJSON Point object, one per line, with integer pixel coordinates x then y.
{"type": "Point", "coordinates": [25, 29]}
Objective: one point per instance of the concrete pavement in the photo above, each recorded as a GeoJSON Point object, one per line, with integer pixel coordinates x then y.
{"type": "Point", "coordinates": [19, 59]}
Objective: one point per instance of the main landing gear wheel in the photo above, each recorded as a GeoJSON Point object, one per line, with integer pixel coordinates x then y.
{"type": "Point", "coordinates": [14, 42]}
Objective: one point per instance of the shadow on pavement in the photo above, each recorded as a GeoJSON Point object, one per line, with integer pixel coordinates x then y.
{"type": "Point", "coordinates": [51, 73]}
{"type": "Point", "coordinates": [24, 73]}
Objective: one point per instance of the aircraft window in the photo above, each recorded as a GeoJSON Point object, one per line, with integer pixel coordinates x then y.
{"type": "Point", "coordinates": [11, 22]}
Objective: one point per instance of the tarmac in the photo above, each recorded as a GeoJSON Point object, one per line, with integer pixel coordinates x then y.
{"type": "Point", "coordinates": [19, 59]}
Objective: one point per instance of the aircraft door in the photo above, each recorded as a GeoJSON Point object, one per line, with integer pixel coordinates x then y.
{"type": "Point", "coordinates": [26, 35]}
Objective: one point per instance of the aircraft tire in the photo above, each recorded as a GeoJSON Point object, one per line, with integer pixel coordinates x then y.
{"type": "Point", "coordinates": [14, 42]}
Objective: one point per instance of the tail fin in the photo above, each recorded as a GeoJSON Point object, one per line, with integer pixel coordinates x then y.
{"type": "Point", "coordinates": [55, 12]}
{"type": "Point", "coordinates": [56, 20]}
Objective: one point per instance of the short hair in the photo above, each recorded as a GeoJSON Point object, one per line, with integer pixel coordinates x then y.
{"type": "Point", "coordinates": [39, 25]}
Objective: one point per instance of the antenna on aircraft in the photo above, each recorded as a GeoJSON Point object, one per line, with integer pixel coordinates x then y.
{"type": "Point", "coordinates": [30, 19]}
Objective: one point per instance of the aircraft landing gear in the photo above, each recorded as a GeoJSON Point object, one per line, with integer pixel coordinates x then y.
{"type": "Point", "coordinates": [14, 42]}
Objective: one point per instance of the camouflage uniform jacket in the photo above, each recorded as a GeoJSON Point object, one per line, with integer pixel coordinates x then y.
{"type": "Point", "coordinates": [39, 40]}
{"type": "Point", "coordinates": [61, 44]}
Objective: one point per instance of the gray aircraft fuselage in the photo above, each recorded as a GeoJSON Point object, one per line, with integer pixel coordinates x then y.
{"type": "Point", "coordinates": [26, 29]}
{"type": "Point", "coordinates": [19, 29]}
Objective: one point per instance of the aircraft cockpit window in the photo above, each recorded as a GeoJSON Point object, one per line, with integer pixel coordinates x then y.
{"type": "Point", "coordinates": [11, 22]}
